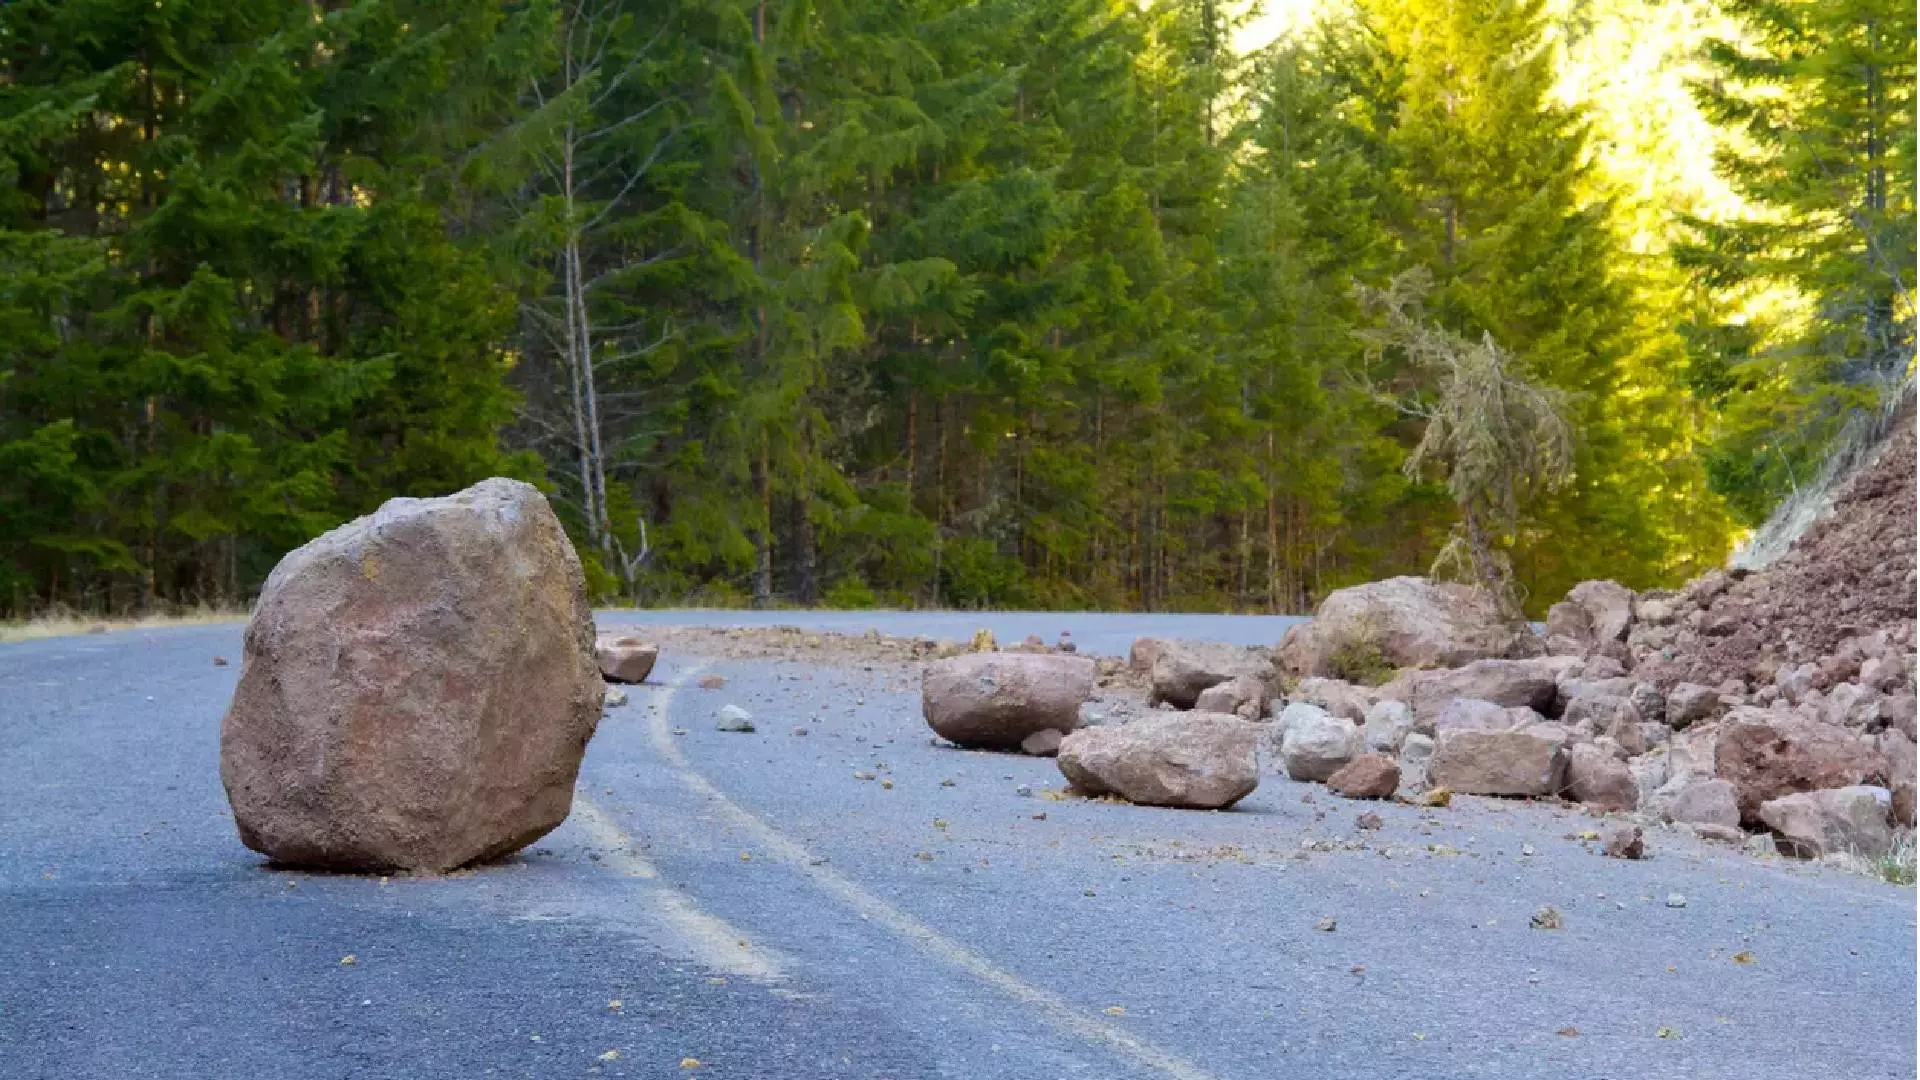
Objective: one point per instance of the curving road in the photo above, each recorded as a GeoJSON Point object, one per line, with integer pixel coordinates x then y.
{"type": "Point", "coordinates": [744, 906]}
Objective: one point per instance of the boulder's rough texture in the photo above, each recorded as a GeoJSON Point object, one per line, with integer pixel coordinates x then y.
{"type": "Point", "coordinates": [1599, 779]}
{"type": "Point", "coordinates": [1416, 760]}
{"type": "Point", "coordinates": [1690, 703]}
{"type": "Point", "coordinates": [1337, 697]}
{"type": "Point", "coordinates": [1619, 840]}
{"type": "Point", "coordinates": [1520, 761]}
{"type": "Point", "coordinates": [1593, 614]}
{"type": "Point", "coordinates": [1369, 776]}
{"type": "Point", "coordinates": [1144, 652]}
{"type": "Point", "coordinates": [625, 659]}
{"type": "Point", "coordinates": [419, 686]}
{"type": "Point", "coordinates": [1767, 755]}
{"type": "Point", "coordinates": [1815, 823]}
{"type": "Point", "coordinates": [1387, 725]}
{"type": "Point", "coordinates": [1314, 743]}
{"type": "Point", "coordinates": [1706, 802]}
{"type": "Point", "coordinates": [993, 700]}
{"type": "Point", "coordinates": [1203, 761]}
{"type": "Point", "coordinates": [1182, 669]}
{"type": "Point", "coordinates": [1517, 684]}
{"type": "Point", "coordinates": [1404, 622]}
{"type": "Point", "coordinates": [1471, 714]}
{"type": "Point", "coordinates": [1243, 695]}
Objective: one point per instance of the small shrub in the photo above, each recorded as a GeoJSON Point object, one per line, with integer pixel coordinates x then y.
{"type": "Point", "coordinates": [851, 593]}
{"type": "Point", "coordinates": [1897, 867]}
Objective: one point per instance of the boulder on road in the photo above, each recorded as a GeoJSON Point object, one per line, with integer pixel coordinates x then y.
{"type": "Point", "coordinates": [1514, 684]}
{"type": "Point", "coordinates": [1202, 761]}
{"type": "Point", "coordinates": [1705, 802]}
{"type": "Point", "coordinates": [1243, 695]}
{"type": "Point", "coordinates": [1815, 823]}
{"type": "Point", "coordinates": [1416, 761]}
{"type": "Point", "coordinates": [1314, 743]}
{"type": "Point", "coordinates": [1335, 696]}
{"type": "Point", "coordinates": [1619, 840]}
{"type": "Point", "coordinates": [1600, 780]}
{"type": "Point", "coordinates": [1144, 652]}
{"type": "Point", "coordinates": [625, 659]}
{"type": "Point", "coordinates": [1388, 723]}
{"type": "Point", "coordinates": [1400, 622]}
{"type": "Point", "coordinates": [1471, 714]}
{"type": "Point", "coordinates": [1767, 755]}
{"type": "Point", "coordinates": [995, 700]}
{"type": "Point", "coordinates": [1520, 761]}
{"type": "Point", "coordinates": [1182, 669]}
{"type": "Point", "coordinates": [418, 688]}
{"type": "Point", "coordinates": [1369, 776]}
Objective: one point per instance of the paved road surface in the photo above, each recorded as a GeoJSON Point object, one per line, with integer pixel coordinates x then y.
{"type": "Point", "coordinates": [751, 905]}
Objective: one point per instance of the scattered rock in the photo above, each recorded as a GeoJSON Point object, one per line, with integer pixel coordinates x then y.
{"type": "Point", "coordinates": [615, 697]}
{"type": "Point", "coordinates": [1042, 743]}
{"type": "Point", "coordinates": [1182, 669]}
{"type": "Point", "coordinates": [712, 682]}
{"type": "Point", "coordinates": [219, 661]}
{"type": "Point", "coordinates": [1471, 714]}
{"type": "Point", "coordinates": [1676, 900]}
{"type": "Point", "coordinates": [1767, 755]}
{"type": "Point", "coordinates": [1315, 744]}
{"type": "Point", "coordinates": [1416, 759]}
{"type": "Point", "coordinates": [1547, 918]}
{"type": "Point", "coordinates": [1242, 695]}
{"type": "Point", "coordinates": [1706, 802]}
{"type": "Point", "coordinates": [624, 659]}
{"type": "Point", "coordinates": [1369, 776]}
{"type": "Point", "coordinates": [1201, 761]}
{"type": "Point", "coordinates": [1815, 823]}
{"type": "Point", "coordinates": [799, 730]}
{"type": "Point", "coordinates": [1619, 840]}
{"type": "Point", "coordinates": [1523, 761]}
{"type": "Point", "coordinates": [1335, 696]}
{"type": "Point", "coordinates": [732, 718]}
{"type": "Point", "coordinates": [1388, 723]}
{"type": "Point", "coordinates": [1600, 780]}
{"type": "Point", "coordinates": [995, 700]}
{"type": "Point", "coordinates": [1399, 622]}
{"type": "Point", "coordinates": [383, 721]}
{"type": "Point", "coordinates": [1513, 684]}
{"type": "Point", "coordinates": [1593, 614]}
{"type": "Point", "coordinates": [1368, 820]}
{"type": "Point", "coordinates": [1327, 925]}
{"type": "Point", "coordinates": [1435, 797]}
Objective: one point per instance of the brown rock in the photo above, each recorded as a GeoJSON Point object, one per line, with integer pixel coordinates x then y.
{"type": "Point", "coordinates": [1619, 840]}
{"type": "Point", "coordinates": [1405, 622]}
{"type": "Point", "coordinates": [1242, 695]}
{"type": "Point", "coordinates": [1513, 684]}
{"type": "Point", "coordinates": [1599, 780]}
{"type": "Point", "coordinates": [417, 688]}
{"type": "Point", "coordinates": [1815, 823]}
{"type": "Point", "coordinates": [1336, 696]}
{"type": "Point", "coordinates": [995, 700]}
{"type": "Point", "coordinates": [625, 659]}
{"type": "Point", "coordinates": [1042, 743]}
{"type": "Point", "coordinates": [1594, 612]}
{"type": "Point", "coordinates": [1706, 802]}
{"type": "Point", "coordinates": [1523, 761]}
{"type": "Point", "coordinates": [1202, 761]}
{"type": "Point", "coordinates": [1183, 669]}
{"type": "Point", "coordinates": [1144, 652]}
{"type": "Point", "coordinates": [1369, 776]}
{"type": "Point", "coordinates": [1767, 755]}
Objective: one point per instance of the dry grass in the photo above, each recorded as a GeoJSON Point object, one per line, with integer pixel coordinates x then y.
{"type": "Point", "coordinates": [69, 624]}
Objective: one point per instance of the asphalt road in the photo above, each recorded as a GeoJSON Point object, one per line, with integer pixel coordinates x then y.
{"type": "Point", "coordinates": [746, 903]}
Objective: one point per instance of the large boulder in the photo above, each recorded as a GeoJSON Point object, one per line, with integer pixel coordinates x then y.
{"type": "Point", "coordinates": [418, 688]}
{"type": "Point", "coordinates": [1399, 622]}
{"type": "Point", "coordinates": [1472, 714]}
{"type": "Point", "coordinates": [1830, 821]}
{"type": "Point", "coordinates": [1705, 802]}
{"type": "Point", "coordinates": [1338, 697]}
{"type": "Point", "coordinates": [1600, 780]}
{"type": "Point", "coordinates": [1594, 614]}
{"type": "Point", "coordinates": [995, 700]}
{"type": "Point", "coordinates": [1767, 755]}
{"type": "Point", "coordinates": [625, 659]}
{"type": "Point", "coordinates": [1388, 723]}
{"type": "Point", "coordinates": [1416, 762]}
{"type": "Point", "coordinates": [1314, 743]}
{"type": "Point", "coordinates": [1369, 776]}
{"type": "Point", "coordinates": [1202, 761]}
{"type": "Point", "coordinates": [1514, 684]}
{"type": "Point", "coordinates": [1243, 695]}
{"type": "Point", "coordinates": [1182, 669]}
{"type": "Point", "coordinates": [1519, 761]}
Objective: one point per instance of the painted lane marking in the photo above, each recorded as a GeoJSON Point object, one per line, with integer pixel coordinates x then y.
{"type": "Point", "coordinates": [1054, 1010]}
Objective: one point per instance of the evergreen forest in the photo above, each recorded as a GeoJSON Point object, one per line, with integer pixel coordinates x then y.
{"type": "Point", "coordinates": [932, 303]}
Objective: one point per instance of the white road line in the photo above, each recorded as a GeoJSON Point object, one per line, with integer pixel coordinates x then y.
{"type": "Point", "coordinates": [1052, 1009]}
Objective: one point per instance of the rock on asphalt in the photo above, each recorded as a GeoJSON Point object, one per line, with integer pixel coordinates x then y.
{"type": "Point", "coordinates": [753, 906]}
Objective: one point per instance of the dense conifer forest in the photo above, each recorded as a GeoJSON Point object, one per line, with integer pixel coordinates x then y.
{"type": "Point", "coordinates": [1011, 303]}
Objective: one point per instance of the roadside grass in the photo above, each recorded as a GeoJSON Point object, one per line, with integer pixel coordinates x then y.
{"type": "Point", "coordinates": [1897, 866]}
{"type": "Point", "coordinates": [70, 623]}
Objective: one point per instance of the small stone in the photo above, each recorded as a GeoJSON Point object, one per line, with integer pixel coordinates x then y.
{"type": "Point", "coordinates": [1622, 841]}
{"type": "Point", "coordinates": [219, 661]}
{"type": "Point", "coordinates": [1369, 821]}
{"type": "Point", "coordinates": [732, 718]}
{"type": "Point", "coordinates": [1547, 918]}
{"type": "Point", "coordinates": [1042, 743]}
{"type": "Point", "coordinates": [1023, 791]}
{"type": "Point", "coordinates": [1436, 797]}
{"type": "Point", "coordinates": [1041, 816]}
{"type": "Point", "coordinates": [1326, 925]}
{"type": "Point", "coordinates": [1526, 849]}
{"type": "Point", "coordinates": [1676, 900]}
{"type": "Point", "coordinates": [712, 682]}
{"type": "Point", "coordinates": [799, 729]}
{"type": "Point", "coordinates": [886, 785]}
{"type": "Point", "coordinates": [615, 697]}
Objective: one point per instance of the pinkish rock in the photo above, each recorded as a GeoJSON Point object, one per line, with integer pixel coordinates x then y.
{"type": "Point", "coordinates": [1202, 761]}
{"type": "Point", "coordinates": [995, 700]}
{"type": "Point", "coordinates": [1369, 776]}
